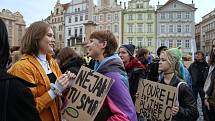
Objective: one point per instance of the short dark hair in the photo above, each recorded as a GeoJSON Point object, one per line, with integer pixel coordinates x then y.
{"type": "Point", "coordinates": [30, 40]}
{"type": "Point", "coordinates": [160, 49]}
{"type": "Point", "coordinates": [201, 52]}
{"type": "Point", "coordinates": [4, 49]}
{"type": "Point", "coordinates": [108, 36]}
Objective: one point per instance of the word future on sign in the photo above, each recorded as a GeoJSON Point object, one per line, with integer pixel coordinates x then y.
{"type": "Point", "coordinates": [86, 97]}
{"type": "Point", "coordinates": [155, 100]}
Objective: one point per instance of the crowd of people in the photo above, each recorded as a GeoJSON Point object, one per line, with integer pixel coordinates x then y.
{"type": "Point", "coordinates": [33, 88]}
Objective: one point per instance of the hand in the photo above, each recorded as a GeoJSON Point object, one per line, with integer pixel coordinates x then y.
{"type": "Point", "coordinates": [62, 83]}
{"type": "Point", "coordinates": [207, 104]}
{"type": "Point", "coordinates": [72, 77]}
{"type": "Point", "coordinates": [175, 110]}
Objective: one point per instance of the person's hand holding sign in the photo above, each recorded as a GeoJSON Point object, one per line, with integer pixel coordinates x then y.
{"type": "Point", "coordinates": [71, 79]}
{"type": "Point", "coordinates": [175, 110]}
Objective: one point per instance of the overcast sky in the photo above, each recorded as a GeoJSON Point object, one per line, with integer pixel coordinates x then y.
{"type": "Point", "coordinates": [34, 10]}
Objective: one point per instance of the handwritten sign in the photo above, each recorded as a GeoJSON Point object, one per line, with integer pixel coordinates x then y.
{"type": "Point", "coordinates": [86, 97]}
{"type": "Point", "coordinates": [155, 100]}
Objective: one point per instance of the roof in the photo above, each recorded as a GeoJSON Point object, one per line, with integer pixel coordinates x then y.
{"type": "Point", "coordinates": [65, 6]}
{"type": "Point", "coordinates": [171, 1]}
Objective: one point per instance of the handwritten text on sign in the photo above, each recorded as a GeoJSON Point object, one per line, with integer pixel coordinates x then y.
{"type": "Point", "coordinates": [155, 100]}
{"type": "Point", "coordinates": [87, 95]}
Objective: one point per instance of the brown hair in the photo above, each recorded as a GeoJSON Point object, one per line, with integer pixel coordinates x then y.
{"type": "Point", "coordinates": [211, 60]}
{"type": "Point", "coordinates": [65, 54]}
{"type": "Point", "coordinates": [30, 40]}
{"type": "Point", "coordinates": [108, 36]}
{"type": "Point", "coordinates": [141, 55]}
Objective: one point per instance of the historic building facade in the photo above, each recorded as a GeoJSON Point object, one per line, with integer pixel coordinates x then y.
{"type": "Point", "coordinates": [139, 25]}
{"type": "Point", "coordinates": [176, 25]}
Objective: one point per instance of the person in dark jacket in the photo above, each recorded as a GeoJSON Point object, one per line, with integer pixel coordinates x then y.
{"type": "Point", "coordinates": [209, 86]}
{"type": "Point", "coordinates": [16, 100]}
{"type": "Point", "coordinates": [134, 68]}
{"type": "Point", "coordinates": [153, 74]}
{"type": "Point", "coordinates": [69, 60]}
{"type": "Point", "coordinates": [199, 71]}
{"type": "Point", "coordinates": [186, 108]}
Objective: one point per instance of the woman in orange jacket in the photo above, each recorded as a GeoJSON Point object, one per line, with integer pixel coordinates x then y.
{"type": "Point", "coordinates": [38, 67]}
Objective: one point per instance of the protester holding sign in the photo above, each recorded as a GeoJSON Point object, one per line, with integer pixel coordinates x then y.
{"type": "Point", "coordinates": [134, 68]}
{"type": "Point", "coordinates": [38, 67]}
{"type": "Point", "coordinates": [118, 104]}
{"type": "Point", "coordinates": [186, 108]}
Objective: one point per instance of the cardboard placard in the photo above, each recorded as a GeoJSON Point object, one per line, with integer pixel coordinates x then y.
{"type": "Point", "coordinates": [86, 97]}
{"type": "Point", "coordinates": [155, 100]}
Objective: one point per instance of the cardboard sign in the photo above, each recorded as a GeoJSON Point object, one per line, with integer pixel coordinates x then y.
{"type": "Point", "coordinates": [155, 100]}
{"type": "Point", "coordinates": [86, 97]}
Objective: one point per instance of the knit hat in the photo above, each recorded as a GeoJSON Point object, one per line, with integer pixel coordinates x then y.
{"type": "Point", "coordinates": [129, 48]}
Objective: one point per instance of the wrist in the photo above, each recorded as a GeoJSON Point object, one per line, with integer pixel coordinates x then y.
{"type": "Point", "coordinates": [55, 89]}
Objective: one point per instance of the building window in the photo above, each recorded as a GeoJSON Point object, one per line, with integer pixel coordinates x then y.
{"type": "Point", "coordinates": [75, 9]}
{"type": "Point", "coordinates": [130, 39]}
{"type": "Point", "coordinates": [149, 28]}
{"type": "Point", "coordinates": [70, 20]}
{"type": "Point", "coordinates": [100, 27]}
{"type": "Point", "coordinates": [94, 18]}
{"type": "Point", "coordinates": [57, 11]}
{"type": "Point", "coordinates": [78, 9]}
{"type": "Point", "coordinates": [170, 43]}
{"type": "Point", "coordinates": [171, 28]}
{"type": "Point", "coordinates": [20, 32]}
{"type": "Point", "coordinates": [162, 15]}
{"type": "Point", "coordinates": [76, 18]}
{"type": "Point", "coordinates": [109, 27]}
{"type": "Point", "coordinates": [163, 43]}
{"type": "Point", "coordinates": [187, 28]}
{"type": "Point", "coordinates": [139, 27]}
{"type": "Point", "coordinates": [130, 17]}
{"type": "Point", "coordinates": [179, 15]}
{"type": "Point", "coordinates": [187, 15]}
{"type": "Point", "coordinates": [81, 18]}
{"type": "Point", "coordinates": [69, 32]}
{"type": "Point", "coordinates": [187, 43]}
{"type": "Point", "coordinates": [86, 17]}
{"type": "Point", "coordinates": [179, 28]}
{"type": "Point", "coordinates": [81, 31]}
{"type": "Point", "coordinates": [68, 42]}
{"type": "Point", "coordinates": [109, 17]}
{"type": "Point", "coordinates": [179, 43]}
{"type": "Point", "coordinates": [149, 42]}
{"type": "Point", "coordinates": [130, 28]}
{"type": "Point", "coordinates": [162, 29]}
{"type": "Point", "coordinates": [139, 42]}
{"type": "Point", "coordinates": [116, 28]}
{"type": "Point", "coordinates": [140, 16]}
{"type": "Point", "coordinates": [61, 18]}
{"type": "Point", "coordinates": [76, 32]}
{"type": "Point", "coordinates": [100, 18]}
{"type": "Point", "coordinates": [149, 16]}
{"type": "Point", "coordinates": [116, 17]}
{"type": "Point", "coordinates": [170, 15]}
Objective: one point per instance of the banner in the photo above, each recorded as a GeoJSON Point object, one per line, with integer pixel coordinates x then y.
{"type": "Point", "coordinates": [155, 100]}
{"type": "Point", "coordinates": [87, 95]}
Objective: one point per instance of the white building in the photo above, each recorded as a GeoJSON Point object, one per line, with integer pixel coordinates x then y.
{"type": "Point", "coordinates": [78, 13]}
{"type": "Point", "coordinates": [108, 16]}
{"type": "Point", "coordinates": [176, 25]}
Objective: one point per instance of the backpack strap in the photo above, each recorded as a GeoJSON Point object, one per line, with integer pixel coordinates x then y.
{"type": "Point", "coordinates": [177, 92]}
{"type": "Point", "coordinates": [4, 113]}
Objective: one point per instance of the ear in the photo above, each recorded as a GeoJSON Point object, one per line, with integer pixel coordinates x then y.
{"type": "Point", "coordinates": [104, 44]}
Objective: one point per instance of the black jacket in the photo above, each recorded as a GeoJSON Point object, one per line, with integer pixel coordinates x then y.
{"type": "Point", "coordinates": [198, 72]}
{"type": "Point", "coordinates": [187, 105]}
{"type": "Point", "coordinates": [73, 65]}
{"type": "Point", "coordinates": [153, 71]}
{"type": "Point", "coordinates": [18, 103]}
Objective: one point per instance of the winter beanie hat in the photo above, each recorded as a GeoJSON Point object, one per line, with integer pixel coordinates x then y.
{"type": "Point", "coordinates": [129, 48]}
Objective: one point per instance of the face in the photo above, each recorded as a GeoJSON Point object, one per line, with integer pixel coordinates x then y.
{"type": "Point", "coordinates": [123, 54]}
{"type": "Point", "coordinates": [95, 48]}
{"type": "Point", "coordinates": [164, 65]}
{"type": "Point", "coordinates": [199, 57]}
{"type": "Point", "coordinates": [213, 47]}
{"type": "Point", "coordinates": [47, 43]}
